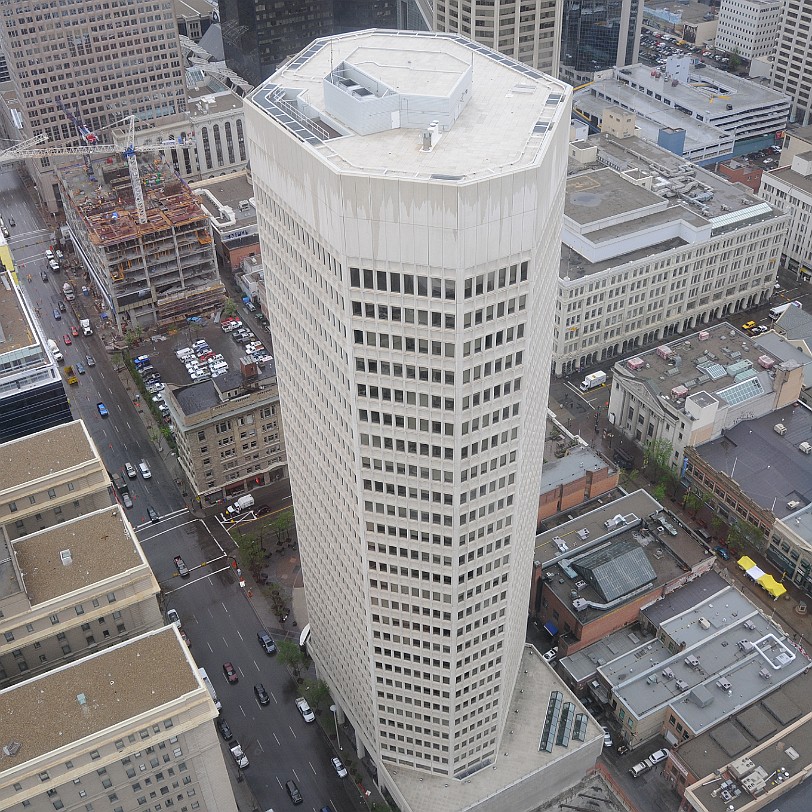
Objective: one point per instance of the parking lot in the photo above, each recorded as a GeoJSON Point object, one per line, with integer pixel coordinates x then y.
{"type": "Point", "coordinates": [202, 351]}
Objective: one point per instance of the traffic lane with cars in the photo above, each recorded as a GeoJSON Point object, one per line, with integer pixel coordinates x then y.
{"type": "Point", "coordinates": [222, 626]}
{"type": "Point", "coordinates": [16, 204]}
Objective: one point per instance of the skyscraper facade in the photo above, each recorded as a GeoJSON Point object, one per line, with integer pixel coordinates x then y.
{"type": "Point", "coordinates": [409, 193]}
{"type": "Point", "coordinates": [792, 66]}
{"type": "Point", "coordinates": [529, 31]}
{"type": "Point", "coordinates": [100, 60]}
{"type": "Point", "coordinates": [597, 35]}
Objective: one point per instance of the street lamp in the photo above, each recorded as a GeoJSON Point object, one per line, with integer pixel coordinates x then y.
{"type": "Point", "coordinates": [334, 710]}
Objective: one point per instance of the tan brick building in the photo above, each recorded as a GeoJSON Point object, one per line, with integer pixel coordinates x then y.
{"type": "Point", "coordinates": [126, 728]}
{"type": "Point", "coordinates": [229, 433]}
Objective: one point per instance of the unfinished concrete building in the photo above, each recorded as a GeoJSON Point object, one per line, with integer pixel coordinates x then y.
{"type": "Point", "coordinates": [155, 273]}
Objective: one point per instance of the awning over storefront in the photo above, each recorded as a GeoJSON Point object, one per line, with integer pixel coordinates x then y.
{"type": "Point", "coordinates": [772, 586]}
{"type": "Point", "coordinates": [746, 563]}
{"type": "Point", "coordinates": [551, 628]}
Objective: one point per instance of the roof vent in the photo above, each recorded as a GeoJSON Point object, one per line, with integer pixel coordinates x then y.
{"type": "Point", "coordinates": [12, 748]}
{"type": "Point", "coordinates": [67, 558]}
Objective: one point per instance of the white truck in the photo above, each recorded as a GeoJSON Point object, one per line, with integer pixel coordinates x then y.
{"type": "Point", "coordinates": [207, 682]}
{"type": "Point", "coordinates": [304, 709]}
{"type": "Point", "coordinates": [55, 351]}
{"type": "Point", "coordinates": [87, 330]}
{"type": "Point", "coordinates": [775, 312]}
{"type": "Point", "coordinates": [239, 755]}
{"type": "Point", "coordinates": [243, 503]}
{"type": "Point", "coordinates": [67, 290]}
{"type": "Point", "coordinates": [593, 380]}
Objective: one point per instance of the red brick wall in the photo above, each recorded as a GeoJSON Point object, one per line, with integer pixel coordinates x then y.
{"type": "Point", "coordinates": [748, 175]}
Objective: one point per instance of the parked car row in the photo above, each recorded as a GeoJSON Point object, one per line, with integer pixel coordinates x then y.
{"type": "Point", "coordinates": [152, 382]}
{"type": "Point", "coordinates": [201, 361]}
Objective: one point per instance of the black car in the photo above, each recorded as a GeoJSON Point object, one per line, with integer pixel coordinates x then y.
{"type": "Point", "coordinates": [268, 645]}
{"type": "Point", "coordinates": [11, 221]}
{"type": "Point", "coordinates": [153, 514]}
{"type": "Point", "coordinates": [294, 793]}
{"type": "Point", "coordinates": [62, 307]}
{"type": "Point", "coordinates": [43, 276]}
{"type": "Point", "coordinates": [261, 694]}
{"type": "Point", "coordinates": [225, 730]}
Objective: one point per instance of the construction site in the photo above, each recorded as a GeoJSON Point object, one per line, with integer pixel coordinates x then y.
{"type": "Point", "coordinates": [143, 237]}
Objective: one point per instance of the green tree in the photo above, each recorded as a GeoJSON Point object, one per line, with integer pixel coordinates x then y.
{"type": "Point", "coordinates": [292, 656]}
{"type": "Point", "coordinates": [281, 524]}
{"type": "Point", "coordinates": [250, 550]}
{"type": "Point", "coordinates": [229, 307]}
{"type": "Point", "coordinates": [693, 501]}
{"type": "Point", "coordinates": [133, 336]}
{"type": "Point", "coordinates": [316, 692]}
{"type": "Point", "coordinates": [742, 533]}
{"type": "Point", "coordinates": [657, 456]}
{"type": "Point", "coordinates": [658, 492]}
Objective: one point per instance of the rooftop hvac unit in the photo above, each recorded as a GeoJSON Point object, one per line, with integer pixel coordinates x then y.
{"type": "Point", "coordinates": [749, 625]}
{"type": "Point", "coordinates": [745, 645]}
{"type": "Point", "coordinates": [579, 604]}
{"type": "Point", "coordinates": [704, 623]}
{"type": "Point", "coordinates": [680, 685]}
{"type": "Point", "coordinates": [668, 674]}
{"type": "Point", "coordinates": [691, 661]}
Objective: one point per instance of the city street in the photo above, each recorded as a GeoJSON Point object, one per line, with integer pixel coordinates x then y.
{"type": "Point", "coordinates": [220, 621]}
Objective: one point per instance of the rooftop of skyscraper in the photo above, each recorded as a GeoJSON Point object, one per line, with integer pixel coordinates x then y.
{"type": "Point", "coordinates": [415, 105]}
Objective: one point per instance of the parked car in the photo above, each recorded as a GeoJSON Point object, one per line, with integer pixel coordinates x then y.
{"type": "Point", "coordinates": [550, 655]}
{"type": "Point", "coordinates": [722, 553]}
{"type": "Point", "coordinates": [225, 730]}
{"type": "Point", "coordinates": [268, 645]}
{"type": "Point", "coordinates": [231, 673]}
{"type": "Point", "coordinates": [172, 616]}
{"type": "Point", "coordinates": [657, 756]}
{"type": "Point", "coordinates": [748, 325]}
{"type": "Point", "coordinates": [125, 498]}
{"type": "Point", "coordinates": [607, 737]}
{"type": "Point", "coordinates": [340, 769]}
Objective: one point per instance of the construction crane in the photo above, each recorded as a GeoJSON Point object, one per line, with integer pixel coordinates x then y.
{"type": "Point", "coordinates": [28, 149]}
{"type": "Point", "coordinates": [85, 132]}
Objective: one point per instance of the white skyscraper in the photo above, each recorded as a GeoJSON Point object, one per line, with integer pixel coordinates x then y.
{"type": "Point", "coordinates": [409, 190]}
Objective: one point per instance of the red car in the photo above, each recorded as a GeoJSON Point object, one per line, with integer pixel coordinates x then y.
{"type": "Point", "coordinates": [66, 339]}
{"type": "Point", "coordinates": [231, 673]}
{"type": "Point", "coordinates": [74, 331]}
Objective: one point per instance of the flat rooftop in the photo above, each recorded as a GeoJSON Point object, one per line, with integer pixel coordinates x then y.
{"type": "Point", "coordinates": [712, 368]}
{"type": "Point", "coordinates": [690, 11]}
{"type": "Point", "coordinates": [768, 467]}
{"type": "Point", "coordinates": [652, 116]}
{"type": "Point", "coordinates": [584, 663]}
{"type": "Point", "coordinates": [211, 97]}
{"type": "Point", "coordinates": [494, 112]}
{"type": "Point", "coordinates": [84, 698]}
{"type": "Point", "coordinates": [708, 91]}
{"type": "Point", "coordinates": [686, 597]}
{"type": "Point", "coordinates": [44, 454]}
{"type": "Point", "coordinates": [603, 194]}
{"type": "Point", "coordinates": [747, 728]}
{"type": "Point", "coordinates": [739, 656]}
{"type": "Point", "coordinates": [786, 174]}
{"type": "Point", "coordinates": [519, 754]}
{"type": "Point", "coordinates": [46, 576]}
{"type": "Point", "coordinates": [15, 329]}
{"type": "Point", "coordinates": [567, 469]}
{"type": "Point", "coordinates": [589, 531]}
{"type": "Point", "coordinates": [229, 191]}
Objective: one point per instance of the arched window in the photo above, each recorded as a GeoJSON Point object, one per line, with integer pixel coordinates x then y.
{"type": "Point", "coordinates": [229, 142]}
{"type": "Point", "coordinates": [241, 139]}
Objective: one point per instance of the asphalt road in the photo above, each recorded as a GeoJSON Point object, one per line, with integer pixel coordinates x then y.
{"type": "Point", "coordinates": [219, 621]}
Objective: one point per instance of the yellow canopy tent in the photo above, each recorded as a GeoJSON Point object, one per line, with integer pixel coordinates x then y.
{"type": "Point", "coordinates": [746, 563]}
{"type": "Point", "coordinates": [771, 585]}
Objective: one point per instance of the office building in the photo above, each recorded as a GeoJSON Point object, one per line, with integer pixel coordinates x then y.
{"type": "Point", "coordinates": [615, 559]}
{"type": "Point", "coordinates": [529, 32]}
{"type": "Point", "coordinates": [128, 727]}
{"type": "Point", "coordinates": [411, 301]}
{"type": "Point", "coordinates": [706, 662]}
{"type": "Point", "coordinates": [194, 17]}
{"type": "Point", "coordinates": [654, 247]}
{"type": "Point", "coordinates": [748, 28]}
{"type": "Point", "coordinates": [790, 545]}
{"type": "Point", "coordinates": [229, 432]}
{"type": "Point", "coordinates": [32, 392]}
{"type": "Point", "coordinates": [792, 67]}
{"type": "Point", "coordinates": [692, 20]}
{"type": "Point", "coordinates": [87, 60]}
{"type": "Point", "coordinates": [259, 36]}
{"type": "Point", "coordinates": [691, 390]}
{"type": "Point", "coordinates": [156, 272]}
{"type": "Point", "coordinates": [598, 35]}
{"type": "Point", "coordinates": [790, 188]}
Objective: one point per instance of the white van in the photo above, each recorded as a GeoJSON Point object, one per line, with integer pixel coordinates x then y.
{"type": "Point", "coordinates": [144, 469]}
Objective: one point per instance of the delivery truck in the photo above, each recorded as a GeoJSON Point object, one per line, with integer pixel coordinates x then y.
{"type": "Point", "coordinates": [593, 380]}
{"type": "Point", "coordinates": [775, 312]}
{"type": "Point", "coordinates": [55, 351]}
{"type": "Point", "coordinates": [87, 330]}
